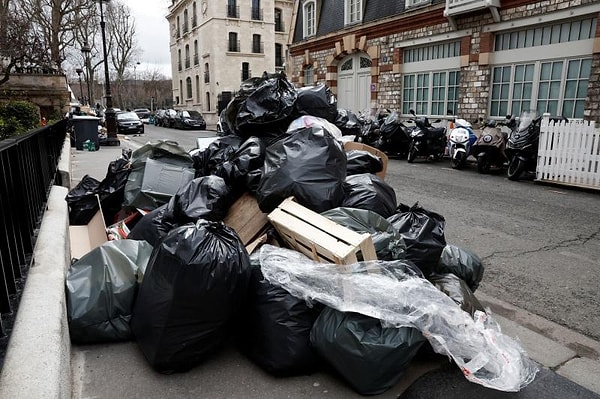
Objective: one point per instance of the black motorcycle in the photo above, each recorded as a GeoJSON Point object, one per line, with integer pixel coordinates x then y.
{"type": "Point", "coordinates": [490, 146]}
{"type": "Point", "coordinates": [426, 140]}
{"type": "Point", "coordinates": [522, 145]}
{"type": "Point", "coordinates": [394, 136]}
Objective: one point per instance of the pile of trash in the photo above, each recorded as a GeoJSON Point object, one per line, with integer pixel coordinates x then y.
{"type": "Point", "coordinates": [194, 257]}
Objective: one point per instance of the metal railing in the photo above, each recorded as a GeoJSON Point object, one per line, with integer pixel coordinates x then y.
{"type": "Point", "coordinates": [28, 166]}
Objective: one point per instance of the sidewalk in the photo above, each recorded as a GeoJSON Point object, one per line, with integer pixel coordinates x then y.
{"type": "Point", "coordinates": [570, 361]}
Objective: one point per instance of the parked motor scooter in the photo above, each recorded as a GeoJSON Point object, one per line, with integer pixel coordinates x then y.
{"type": "Point", "coordinates": [489, 149]}
{"type": "Point", "coordinates": [369, 132]}
{"type": "Point", "coordinates": [522, 145]}
{"type": "Point", "coordinates": [426, 140]}
{"type": "Point", "coordinates": [462, 138]}
{"type": "Point", "coordinates": [394, 136]}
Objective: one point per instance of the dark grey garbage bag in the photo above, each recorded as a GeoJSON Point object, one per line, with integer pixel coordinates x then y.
{"type": "Point", "coordinates": [462, 263]}
{"type": "Point", "coordinates": [369, 357]}
{"type": "Point", "coordinates": [101, 289]}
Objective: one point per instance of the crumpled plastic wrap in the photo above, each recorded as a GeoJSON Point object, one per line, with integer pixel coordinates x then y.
{"type": "Point", "coordinates": [477, 346]}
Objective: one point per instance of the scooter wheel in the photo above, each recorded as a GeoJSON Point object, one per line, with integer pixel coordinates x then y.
{"type": "Point", "coordinates": [483, 164]}
{"type": "Point", "coordinates": [458, 161]}
{"type": "Point", "coordinates": [516, 167]}
{"type": "Point", "coordinates": [412, 154]}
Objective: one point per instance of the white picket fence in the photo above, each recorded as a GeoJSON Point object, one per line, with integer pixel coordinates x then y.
{"type": "Point", "coordinates": [569, 153]}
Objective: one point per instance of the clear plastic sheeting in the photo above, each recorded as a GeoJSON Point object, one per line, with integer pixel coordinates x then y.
{"type": "Point", "coordinates": [483, 353]}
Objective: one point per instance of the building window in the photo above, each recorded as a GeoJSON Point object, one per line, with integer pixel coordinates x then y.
{"type": "Point", "coordinates": [206, 73]}
{"type": "Point", "coordinates": [256, 12]}
{"type": "Point", "coordinates": [197, 88]}
{"type": "Point", "coordinates": [234, 44]}
{"type": "Point", "coordinates": [179, 65]}
{"type": "Point", "coordinates": [551, 34]}
{"type": "Point", "coordinates": [187, 55]}
{"type": "Point", "coordinates": [279, 20]}
{"type": "Point", "coordinates": [233, 11]}
{"type": "Point", "coordinates": [188, 86]}
{"type": "Point", "coordinates": [178, 29]}
{"type": "Point", "coordinates": [194, 15]}
{"type": "Point", "coordinates": [309, 20]}
{"type": "Point", "coordinates": [352, 11]}
{"type": "Point", "coordinates": [431, 93]}
{"type": "Point", "coordinates": [416, 3]}
{"type": "Point", "coordinates": [180, 90]}
{"type": "Point", "coordinates": [558, 87]}
{"type": "Point", "coordinates": [432, 52]}
{"type": "Point", "coordinates": [309, 75]}
{"type": "Point", "coordinates": [207, 104]}
{"type": "Point", "coordinates": [257, 46]}
{"type": "Point", "coordinates": [245, 71]}
{"type": "Point", "coordinates": [196, 60]}
{"type": "Point", "coordinates": [278, 55]}
{"type": "Point", "coordinates": [185, 21]}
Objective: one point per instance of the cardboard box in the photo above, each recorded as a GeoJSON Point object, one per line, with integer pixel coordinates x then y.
{"type": "Point", "coordinates": [85, 238]}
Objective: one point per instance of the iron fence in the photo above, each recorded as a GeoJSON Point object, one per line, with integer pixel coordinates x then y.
{"type": "Point", "coordinates": [28, 169]}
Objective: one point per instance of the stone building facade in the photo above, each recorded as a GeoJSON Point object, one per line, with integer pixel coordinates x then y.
{"type": "Point", "coordinates": [216, 45]}
{"type": "Point", "coordinates": [489, 58]}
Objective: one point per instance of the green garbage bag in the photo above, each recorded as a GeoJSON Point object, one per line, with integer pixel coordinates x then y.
{"type": "Point", "coordinates": [101, 289]}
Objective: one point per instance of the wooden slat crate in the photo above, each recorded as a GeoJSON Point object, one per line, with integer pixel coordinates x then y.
{"type": "Point", "coordinates": [319, 238]}
{"type": "Point", "coordinates": [248, 221]}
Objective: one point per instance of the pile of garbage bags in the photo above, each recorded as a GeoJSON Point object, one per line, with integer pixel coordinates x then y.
{"type": "Point", "coordinates": [183, 285]}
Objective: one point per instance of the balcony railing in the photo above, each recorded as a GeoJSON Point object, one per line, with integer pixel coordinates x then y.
{"type": "Point", "coordinates": [258, 47]}
{"type": "Point", "coordinates": [256, 14]}
{"type": "Point", "coordinates": [233, 11]}
{"type": "Point", "coordinates": [194, 21]}
{"type": "Point", "coordinates": [234, 46]}
{"type": "Point", "coordinates": [29, 164]}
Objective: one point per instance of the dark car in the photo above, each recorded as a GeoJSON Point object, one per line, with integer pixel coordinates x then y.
{"type": "Point", "coordinates": [129, 123]}
{"type": "Point", "coordinates": [188, 119]}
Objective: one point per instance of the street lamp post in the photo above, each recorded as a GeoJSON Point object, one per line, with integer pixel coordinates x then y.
{"type": "Point", "coordinates": [79, 70]}
{"type": "Point", "coordinates": [85, 50]}
{"type": "Point", "coordinates": [109, 114]}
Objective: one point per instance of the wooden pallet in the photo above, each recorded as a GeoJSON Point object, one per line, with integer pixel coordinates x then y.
{"type": "Point", "coordinates": [248, 221]}
{"type": "Point", "coordinates": [319, 238]}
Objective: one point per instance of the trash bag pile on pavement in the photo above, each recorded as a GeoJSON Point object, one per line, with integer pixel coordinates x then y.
{"type": "Point", "coordinates": [182, 284]}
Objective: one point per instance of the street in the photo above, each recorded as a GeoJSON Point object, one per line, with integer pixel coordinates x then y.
{"type": "Point", "coordinates": [540, 244]}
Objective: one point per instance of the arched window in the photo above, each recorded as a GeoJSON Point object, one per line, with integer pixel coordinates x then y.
{"type": "Point", "coordinates": [207, 105]}
{"type": "Point", "coordinates": [309, 21]}
{"type": "Point", "coordinates": [279, 20]}
{"type": "Point", "coordinates": [196, 60]}
{"type": "Point", "coordinates": [206, 73]}
{"type": "Point", "coordinates": [278, 55]}
{"type": "Point", "coordinates": [177, 28]}
{"type": "Point", "coordinates": [187, 55]}
{"type": "Point", "coordinates": [180, 90]}
{"type": "Point", "coordinates": [188, 84]}
{"type": "Point", "coordinates": [194, 15]}
{"type": "Point", "coordinates": [185, 21]}
{"type": "Point", "coordinates": [179, 60]}
{"type": "Point", "coordinates": [197, 88]}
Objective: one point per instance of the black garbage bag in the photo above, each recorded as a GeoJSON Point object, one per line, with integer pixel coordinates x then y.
{"type": "Point", "coordinates": [276, 333]}
{"type": "Point", "coordinates": [368, 356]}
{"type": "Point", "coordinates": [462, 263]}
{"type": "Point", "coordinates": [218, 152]}
{"type": "Point", "coordinates": [359, 161]}
{"type": "Point", "coordinates": [269, 108]}
{"type": "Point", "coordinates": [317, 101]}
{"type": "Point", "coordinates": [206, 197]}
{"type": "Point", "coordinates": [101, 289]}
{"type": "Point", "coordinates": [308, 164]}
{"type": "Point", "coordinates": [112, 187]}
{"type": "Point", "coordinates": [242, 170]}
{"type": "Point", "coordinates": [386, 240]}
{"type": "Point", "coordinates": [423, 233]}
{"type": "Point", "coordinates": [369, 191]}
{"type": "Point", "coordinates": [82, 201]}
{"type": "Point", "coordinates": [458, 290]}
{"type": "Point", "coordinates": [192, 291]}
{"type": "Point", "coordinates": [348, 122]}
{"type": "Point", "coordinates": [153, 226]}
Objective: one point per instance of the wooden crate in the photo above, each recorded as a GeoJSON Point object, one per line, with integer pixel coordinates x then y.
{"type": "Point", "coordinates": [319, 238]}
{"type": "Point", "coordinates": [351, 145]}
{"type": "Point", "coordinates": [246, 218]}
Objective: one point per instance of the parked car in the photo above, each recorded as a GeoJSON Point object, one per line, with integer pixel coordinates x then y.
{"type": "Point", "coordinates": [129, 123]}
{"type": "Point", "coordinates": [164, 117]}
{"type": "Point", "coordinates": [189, 119]}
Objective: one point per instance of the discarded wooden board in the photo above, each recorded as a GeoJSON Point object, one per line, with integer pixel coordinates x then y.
{"type": "Point", "coordinates": [352, 145]}
{"type": "Point", "coordinates": [246, 218]}
{"type": "Point", "coordinates": [319, 238]}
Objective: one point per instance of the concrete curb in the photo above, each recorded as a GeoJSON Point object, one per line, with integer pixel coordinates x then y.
{"type": "Point", "coordinates": [38, 358]}
{"type": "Point", "coordinates": [64, 165]}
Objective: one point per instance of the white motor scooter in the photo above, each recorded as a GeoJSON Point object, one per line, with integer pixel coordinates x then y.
{"type": "Point", "coordinates": [460, 142]}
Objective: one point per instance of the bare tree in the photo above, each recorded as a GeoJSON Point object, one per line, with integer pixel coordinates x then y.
{"type": "Point", "coordinates": [20, 45]}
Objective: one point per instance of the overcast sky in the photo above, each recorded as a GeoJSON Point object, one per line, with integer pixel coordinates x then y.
{"type": "Point", "coordinates": [152, 32]}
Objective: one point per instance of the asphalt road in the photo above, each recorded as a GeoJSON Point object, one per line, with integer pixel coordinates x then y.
{"type": "Point", "coordinates": [540, 244]}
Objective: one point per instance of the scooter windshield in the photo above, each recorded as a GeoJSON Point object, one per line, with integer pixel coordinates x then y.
{"type": "Point", "coordinates": [526, 119]}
